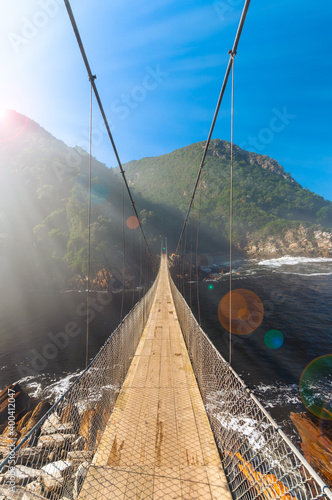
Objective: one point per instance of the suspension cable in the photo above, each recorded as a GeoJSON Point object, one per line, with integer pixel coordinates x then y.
{"type": "Point", "coordinates": [184, 249]}
{"type": "Point", "coordinates": [89, 235]}
{"type": "Point", "coordinates": [221, 95]}
{"type": "Point", "coordinates": [134, 271]}
{"type": "Point", "coordinates": [197, 240]}
{"type": "Point", "coordinates": [123, 254]}
{"type": "Point", "coordinates": [191, 254]}
{"type": "Point", "coordinates": [92, 80]}
{"type": "Point", "coordinates": [231, 218]}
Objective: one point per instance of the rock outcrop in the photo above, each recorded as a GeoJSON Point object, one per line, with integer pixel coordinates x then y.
{"type": "Point", "coordinates": [28, 411]}
{"type": "Point", "coordinates": [53, 460]}
{"type": "Point", "coordinates": [297, 242]}
{"type": "Point", "coordinates": [316, 444]}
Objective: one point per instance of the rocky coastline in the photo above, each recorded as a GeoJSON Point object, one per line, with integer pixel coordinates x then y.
{"type": "Point", "coordinates": [300, 242]}
{"type": "Point", "coordinates": [55, 457]}
{"type": "Point", "coordinates": [316, 443]}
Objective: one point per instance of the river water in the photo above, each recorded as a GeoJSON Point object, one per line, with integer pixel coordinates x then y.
{"type": "Point", "coordinates": [296, 294]}
{"type": "Point", "coordinates": [42, 336]}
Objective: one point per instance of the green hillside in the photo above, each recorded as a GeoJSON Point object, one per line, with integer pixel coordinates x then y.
{"type": "Point", "coordinates": [43, 211]}
{"type": "Point", "coordinates": [267, 200]}
{"type": "Point", "coordinates": [44, 200]}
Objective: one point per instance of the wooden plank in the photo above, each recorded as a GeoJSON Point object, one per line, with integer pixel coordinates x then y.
{"type": "Point", "coordinates": [218, 482]}
{"type": "Point", "coordinates": [141, 373]}
{"type": "Point", "coordinates": [158, 442]}
{"type": "Point", "coordinates": [140, 483]}
{"type": "Point", "coordinates": [189, 442]}
{"type": "Point", "coordinates": [144, 449]}
{"type": "Point", "coordinates": [166, 374]}
{"type": "Point", "coordinates": [167, 483]}
{"type": "Point", "coordinates": [168, 451]}
{"type": "Point", "coordinates": [195, 483]}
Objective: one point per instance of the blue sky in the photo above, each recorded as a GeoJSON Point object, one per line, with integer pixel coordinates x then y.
{"type": "Point", "coordinates": [159, 68]}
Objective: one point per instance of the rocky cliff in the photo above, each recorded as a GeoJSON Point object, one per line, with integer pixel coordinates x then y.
{"type": "Point", "coordinates": [316, 443]}
{"type": "Point", "coordinates": [302, 241]}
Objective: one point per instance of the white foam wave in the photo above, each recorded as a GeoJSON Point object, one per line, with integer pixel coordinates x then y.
{"type": "Point", "coordinates": [289, 260]}
{"type": "Point", "coordinates": [278, 395]}
{"type": "Point", "coordinates": [55, 390]}
{"type": "Point", "coordinates": [35, 386]}
{"type": "Point", "coordinates": [311, 274]}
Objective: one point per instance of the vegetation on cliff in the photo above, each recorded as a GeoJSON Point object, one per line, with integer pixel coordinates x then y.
{"type": "Point", "coordinates": [44, 198]}
{"type": "Point", "coordinates": [267, 201]}
{"type": "Point", "coordinates": [43, 211]}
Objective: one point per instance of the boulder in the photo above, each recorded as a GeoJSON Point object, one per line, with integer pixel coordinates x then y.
{"type": "Point", "coordinates": [36, 487]}
{"type": "Point", "coordinates": [70, 414]}
{"type": "Point", "coordinates": [79, 443]}
{"type": "Point", "coordinates": [32, 456]}
{"type": "Point", "coordinates": [59, 429]}
{"type": "Point", "coordinates": [5, 442]}
{"type": "Point", "coordinates": [39, 411]}
{"type": "Point", "coordinates": [22, 475]}
{"type": "Point", "coordinates": [23, 422]}
{"type": "Point", "coordinates": [23, 404]}
{"type": "Point", "coordinates": [18, 494]}
{"type": "Point", "coordinates": [53, 441]}
{"type": "Point", "coordinates": [77, 457]}
{"type": "Point", "coordinates": [87, 428]}
{"type": "Point", "coordinates": [54, 475]}
{"type": "Point", "coordinates": [50, 425]}
{"type": "Point", "coordinates": [80, 476]}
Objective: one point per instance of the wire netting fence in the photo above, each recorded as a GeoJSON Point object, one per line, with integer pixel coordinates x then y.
{"type": "Point", "coordinates": [52, 459]}
{"type": "Point", "coordinates": [56, 457]}
{"type": "Point", "coordinates": [258, 459]}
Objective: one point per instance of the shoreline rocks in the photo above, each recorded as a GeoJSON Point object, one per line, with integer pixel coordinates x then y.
{"type": "Point", "coordinates": [316, 443]}
{"type": "Point", "coordinates": [53, 461]}
{"type": "Point", "coordinates": [299, 242]}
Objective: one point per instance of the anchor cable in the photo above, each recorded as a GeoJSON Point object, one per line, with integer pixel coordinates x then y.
{"type": "Point", "coordinates": [221, 95]}
{"type": "Point", "coordinates": [92, 80]}
{"type": "Point", "coordinates": [231, 219]}
{"type": "Point", "coordinates": [89, 235]}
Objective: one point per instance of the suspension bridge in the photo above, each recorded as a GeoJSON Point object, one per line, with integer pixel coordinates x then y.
{"type": "Point", "coordinates": [158, 413]}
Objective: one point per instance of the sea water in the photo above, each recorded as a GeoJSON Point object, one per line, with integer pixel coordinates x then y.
{"type": "Point", "coordinates": [296, 293]}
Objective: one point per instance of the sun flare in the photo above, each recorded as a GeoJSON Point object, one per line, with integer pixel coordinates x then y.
{"type": "Point", "coordinates": [3, 112]}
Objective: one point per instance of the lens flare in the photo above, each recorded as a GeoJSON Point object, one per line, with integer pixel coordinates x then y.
{"type": "Point", "coordinates": [3, 113]}
{"type": "Point", "coordinates": [210, 287]}
{"type": "Point", "coordinates": [315, 387]}
{"type": "Point", "coordinates": [325, 441]}
{"type": "Point", "coordinates": [240, 311]}
{"type": "Point", "coordinates": [12, 123]}
{"type": "Point", "coordinates": [274, 339]}
{"type": "Point", "coordinates": [132, 222]}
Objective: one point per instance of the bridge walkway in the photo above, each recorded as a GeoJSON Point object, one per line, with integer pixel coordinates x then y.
{"type": "Point", "coordinates": [158, 443]}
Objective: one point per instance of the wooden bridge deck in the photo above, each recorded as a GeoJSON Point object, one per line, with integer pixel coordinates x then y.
{"type": "Point", "coordinates": [158, 443]}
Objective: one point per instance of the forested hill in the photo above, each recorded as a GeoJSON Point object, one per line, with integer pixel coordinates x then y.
{"type": "Point", "coordinates": [44, 199]}
{"type": "Point", "coordinates": [43, 212]}
{"type": "Point", "coordinates": [269, 205]}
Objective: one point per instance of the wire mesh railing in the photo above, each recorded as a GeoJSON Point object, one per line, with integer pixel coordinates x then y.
{"type": "Point", "coordinates": [57, 456]}
{"type": "Point", "coordinates": [259, 461]}
{"type": "Point", "coordinates": [52, 459]}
